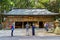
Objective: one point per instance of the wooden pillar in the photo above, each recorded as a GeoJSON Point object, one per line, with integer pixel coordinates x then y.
{"type": "Point", "coordinates": [22, 24]}
{"type": "Point", "coordinates": [38, 23]}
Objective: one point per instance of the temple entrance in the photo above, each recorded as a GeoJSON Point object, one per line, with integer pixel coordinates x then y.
{"type": "Point", "coordinates": [41, 24]}
{"type": "Point", "coordinates": [22, 24]}
{"type": "Point", "coordinates": [18, 24]}
{"type": "Point", "coordinates": [25, 24]}
{"type": "Point", "coordinates": [30, 23]}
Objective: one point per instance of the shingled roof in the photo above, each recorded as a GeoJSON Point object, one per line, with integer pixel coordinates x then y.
{"type": "Point", "coordinates": [30, 12]}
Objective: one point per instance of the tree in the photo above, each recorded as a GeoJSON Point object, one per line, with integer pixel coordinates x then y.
{"type": "Point", "coordinates": [20, 3]}
{"type": "Point", "coordinates": [9, 4]}
{"type": "Point", "coordinates": [29, 3]}
{"type": "Point", "coordinates": [5, 5]}
{"type": "Point", "coordinates": [53, 6]}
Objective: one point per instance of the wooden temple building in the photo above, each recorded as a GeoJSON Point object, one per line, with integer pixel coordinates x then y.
{"type": "Point", "coordinates": [22, 16]}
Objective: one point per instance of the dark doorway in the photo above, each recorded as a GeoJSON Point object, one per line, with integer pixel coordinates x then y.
{"type": "Point", "coordinates": [41, 25]}
{"type": "Point", "coordinates": [30, 23]}
{"type": "Point", "coordinates": [25, 24]}
{"type": "Point", "coordinates": [18, 24]}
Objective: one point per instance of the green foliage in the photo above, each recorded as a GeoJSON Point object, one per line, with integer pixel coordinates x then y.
{"type": "Point", "coordinates": [0, 20]}
{"type": "Point", "coordinates": [5, 5]}
{"type": "Point", "coordinates": [8, 4]}
{"type": "Point", "coordinates": [54, 7]}
{"type": "Point", "coordinates": [51, 6]}
{"type": "Point", "coordinates": [29, 3]}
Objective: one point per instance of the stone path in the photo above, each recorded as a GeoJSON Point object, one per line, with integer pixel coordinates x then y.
{"type": "Point", "coordinates": [22, 32]}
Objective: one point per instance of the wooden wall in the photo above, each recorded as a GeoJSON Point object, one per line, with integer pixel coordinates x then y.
{"type": "Point", "coordinates": [29, 18]}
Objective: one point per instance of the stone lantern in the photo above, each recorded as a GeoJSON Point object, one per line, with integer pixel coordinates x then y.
{"type": "Point", "coordinates": [56, 23]}
{"type": "Point", "coordinates": [57, 29]}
